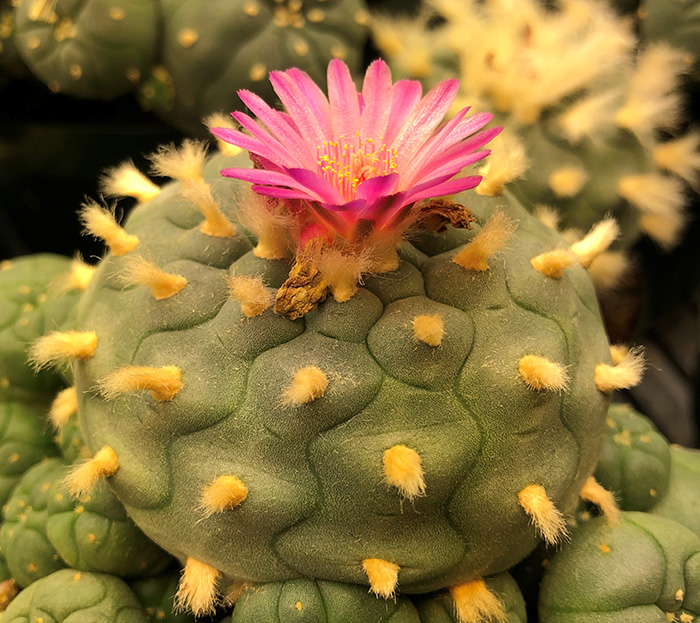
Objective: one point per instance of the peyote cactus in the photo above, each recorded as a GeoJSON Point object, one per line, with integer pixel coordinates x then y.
{"type": "Point", "coordinates": [184, 59]}
{"type": "Point", "coordinates": [268, 420]}
{"type": "Point", "coordinates": [45, 529]}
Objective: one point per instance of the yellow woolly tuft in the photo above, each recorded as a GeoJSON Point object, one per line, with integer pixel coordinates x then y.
{"type": "Point", "coordinates": [589, 117]}
{"type": "Point", "coordinates": [554, 263]}
{"type": "Point", "coordinates": [542, 374]}
{"type": "Point", "coordinates": [163, 383]}
{"type": "Point", "coordinates": [490, 240]}
{"type": "Point", "coordinates": [309, 384]}
{"type": "Point", "coordinates": [597, 240]}
{"type": "Point", "coordinates": [475, 603]}
{"type": "Point", "coordinates": [219, 120]}
{"type": "Point", "coordinates": [251, 293]}
{"type": "Point", "coordinates": [383, 576]}
{"type": "Point", "coordinates": [62, 347]}
{"type": "Point", "coordinates": [680, 156]}
{"type": "Point", "coordinates": [84, 476]}
{"type": "Point", "coordinates": [656, 195]}
{"type": "Point", "coordinates": [197, 592]}
{"type": "Point", "coordinates": [224, 493]}
{"type": "Point", "coordinates": [125, 180]}
{"type": "Point", "coordinates": [618, 352]}
{"type": "Point", "coordinates": [429, 328]}
{"type": "Point", "coordinates": [547, 215]}
{"type": "Point", "coordinates": [652, 99]}
{"type": "Point", "coordinates": [100, 222]}
{"type": "Point", "coordinates": [664, 229]}
{"type": "Point", "coordinates": [269, 221]}
{"type": "Point", "coordinates": [623, 375]}
{"type": "Point", "coordinates": [567, 181]}
{"type": "Point", "coordinates": [403, 470]}
{"type": "Point", "coordinates": [507, 162]}
{"type": "Point", "coordinates": [342, 271]}
{"type": "Point", "coordinates": [409, 43]}
{"type": "Point", "coordinates": [138, 271]}
{"type": "Point", "coordinates": [594, 493]}
{"type": "Point", "coordinates": [215, 223]}
{"type": "Point", "coordinates": [77, 278]}
{"type": "Point", "coordinates": [64, 405]}
{"type": "Point", "coordinates": [184, 163]}
{"type": "Point", "coordinates": [235, 590]}
{"type": "Point", "coordinates": [544, 515]}
{"type": "Point", "coordinates": [609, 269]}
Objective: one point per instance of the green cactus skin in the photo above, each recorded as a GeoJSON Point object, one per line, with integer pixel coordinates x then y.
{"type": "Point", "coordinates": [315, 601]}
{"type": "Point", "coordinates": [639, 570]}
{"type": "Point", "coordinates": [76, 597]}
{"type": "Point", "coordinates": [675, 21]}
{"type": "Point", "coordinates": [439, 607]}
{"type": "Point", "coordinates": [317, 502]}
{"type": "Point", "coordinates": [682, 500]}
{"type": "Point", "coordinates": [635, 461]}
{"type": "Point", "coordinates": [71, 443]}
{"type": "Point", "coordinates": [234, 43]}
{"type": "Point", "coordinates": [24, 441]}
{"type": "Point", "coordinates": [28, 309]}
{"type": "Point", "coordinates": [88, 48]}
{"type": "Point", "coordinates": [45, 530]}
{"type": "Point", "coordinates": [156, 596]}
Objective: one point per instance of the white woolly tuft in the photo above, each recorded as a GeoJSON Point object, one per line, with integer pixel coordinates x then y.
{"type": "Point", "coordinates": [184, 163]}
{"type": "Point", "coordinates": [681, 156]}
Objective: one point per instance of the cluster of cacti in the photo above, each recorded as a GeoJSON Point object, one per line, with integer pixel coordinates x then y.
{"type": "Point", "coordinates": [184, 59]}
{"type": "Point", "coordinates": [586, 104]}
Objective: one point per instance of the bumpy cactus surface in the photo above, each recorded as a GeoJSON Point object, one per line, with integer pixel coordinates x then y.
{"type": "Point", "coordinates": [645, 569]}
{"type": "Point", "coordinates": [45, 529]}
{"type": "Point", "coordinates": [70, 595]}
{"type": "Point", "coordinates": [635, 462]}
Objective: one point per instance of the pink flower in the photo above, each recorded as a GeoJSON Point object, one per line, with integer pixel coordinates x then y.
{"type": "Point", "coordinates": [356, 157]}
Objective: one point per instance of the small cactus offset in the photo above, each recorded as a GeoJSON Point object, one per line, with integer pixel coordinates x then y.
{"type": "Point", "coordinates": [338, 379]}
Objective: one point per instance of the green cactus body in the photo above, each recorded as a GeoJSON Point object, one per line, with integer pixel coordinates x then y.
{"type": "Point", "coordinates": [156, 595]}
{"type": "Point", "coordinates": [24, 441]}
{"type": "Point", "coordinates": [74, 596]}
{"type": "Point", "coordinates": [676, 22]}
{"type": "Point", "coordinates": [71, 443]}
{"type": "Point", "coordinates": [88, 48]}
{"type": "Point", "coordinates": [439, 607]}
{"type": "Point", "coordinates": [316, 601]}
{"type": "Point", "coordinates": [207, 67]}
{"type": "Point", "coordinates": [635, 462]}
{"type": "Point", "coordinates": [318, 500]}
{"type": "Point", "coordinates": [46, 529]}
{"type": "Point", "coordinates": [30, 307]}
{"type": "Point", "coordinates": [645, 569]}
{"type": "Point", "coordinates": [682, 500]}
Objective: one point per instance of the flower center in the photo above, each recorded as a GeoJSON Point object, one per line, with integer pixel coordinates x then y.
{"type": "Point", "coordinates": [348, 162]}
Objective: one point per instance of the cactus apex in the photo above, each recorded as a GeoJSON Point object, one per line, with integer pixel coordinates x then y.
{"type": "Point", "coordinates": [544, 515]}
{"type": "Point", "coordinates": [403, 470]}
{"type": "Point", "coordinates": [100, 222]}
{"type": "Point", "coordinates": [475, 603]}
{"type": "Point", "coordinates": [383, 576]}
{"type": "Point", "coordinates": [197, 591]}
{"type": "Point", "coordinates": [62, 346]}
{"type": "Point", "coordinates": [224, 493]}
{"type": "Point", "coordinates": [83, 477]}
{"type": "Point", "coordinates": [138, 271]}
{"type": "Point", "coordinates": [540, 373]}
{"type": "Point", "coordinates": [595, 493]}
{"type": "Point", "coordinates": [125, 180]}
{"type": "Point", "coordinates": [623, 375]}
{"type": "Point", "coordinates": [64, 405]}
{"type": "Point", "coordinates": [163, 383]}
{"type": "Point", "coordinates": [309, 384]}
{"type": "Point", "coordinates": [429, 328]}
{"type": "Point", "coordinates": [251, 293]}
{"type": "Point", "coordinates": [490, 240]}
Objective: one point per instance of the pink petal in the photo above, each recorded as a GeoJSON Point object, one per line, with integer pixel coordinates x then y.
{"type": "Point", "coordinates": [234, 137]}
{"type": "Point", "coordinates": [449, 187]}
{"type": "Point", "coordinates": [471, 144]}
{"type": "Point", "coordinates": [376, 93]}
{"type": "Point", "coordinates": [315, 99]}
{"type": "Point", "coordinates": [453, 166]}
{"type": "Point", "coordinates": [376, 187]}
{"type": "Point", "coordinates": [281, 193]}
{"type": "Point", "coordinates": [405, 97]}
{"type": "Point", "coordinates": [316, 184]}
{"type": "Point", "coordinates": [269, 178]}
{"type": "Point", "coordinates": [282, 154]}
{"type": "Point", "coordinates": [279, 127]}
{"type": "Point", "coordinates": [468, 126]}
{"type": "Point", "coordinates": [425, 118]}
{"type": "Point", "coordinates": [345, 107]}
{"type": "Point", "coordinates": [296, 105]}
